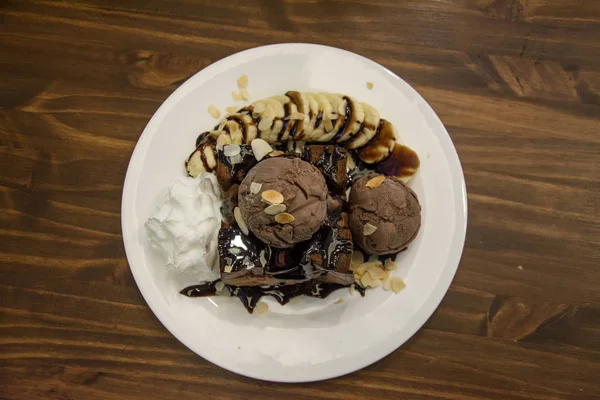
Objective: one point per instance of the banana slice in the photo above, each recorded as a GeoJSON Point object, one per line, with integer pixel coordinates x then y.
{"type": "Point", "coordinates": [369, 129]}
{"type": "Point", "coordinates": [258, 108]}
{"type": "Point", "coordinates": [381, 145]}
{"type": "Point", "coordinates": [288, 124]}
{"type": "Point", "coordinates": [270, 114]}
{"type": "Point", "coordinates": [313, 105]}
{"type": "Point", "coordinates": [223, 140]}
{"type": "Point", "coordinates": [355, 119]}
{"type": "Point", "coordinates": [285, 104]}
{"type": "Point", "coordinates": [268, 126]}
{"type": "Point", "coordinates": [241, 127]}
{"type": "Point", "coordinates": [300, 131]}
{"type": "Point", "coordinates": [316, 118]}
{"type": "Point", "coordinates": [203, 159]}
{"type": "Point", "coordinates": [403, 163]}
{"type": "Point", "coordinates": [324, 104]}
{"type": "Point", "coordinates": [320, 133]}
{"type": "Point", "coordinates": [282, 99]}
{"type": "Point", "coordinates": [279, 111]}
{"type": "Point", "coordinates": [338, 105]}
{"type": "Point", "coordinates": [335, 119]}
{"type": "Point", "coordinates": [276, 131]}
{"type": "Point", "coordinates": [232, 127]}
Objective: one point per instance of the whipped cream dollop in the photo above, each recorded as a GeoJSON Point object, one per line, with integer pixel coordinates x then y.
{"type": "Point", "coordinates": [185, 227]}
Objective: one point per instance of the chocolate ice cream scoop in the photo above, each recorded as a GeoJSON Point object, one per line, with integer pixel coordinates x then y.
{"type": "Point", "coordinates": [385, 214]}
{"type": "Point", "coordinates": [283, 201]}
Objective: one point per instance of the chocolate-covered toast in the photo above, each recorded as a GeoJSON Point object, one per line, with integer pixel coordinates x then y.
{"type": "Point", "coordinates": [246, 261]}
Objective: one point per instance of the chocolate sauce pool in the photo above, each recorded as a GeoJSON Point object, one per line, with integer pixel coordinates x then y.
{"type": "Point", "coordinates": [294, 269]}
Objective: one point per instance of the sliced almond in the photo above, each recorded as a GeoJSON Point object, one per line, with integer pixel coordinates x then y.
{"type": "Point", "coordinates": [362, 269]}
{"type": "Point", "coordinates": [260, 148]}
{"type": "Point", "coordinates": [214, 111]}
{"type": "Point", "coordinates": [232, 150]}
{"type": "Point", "coordinates": [367, 281]}
{"type": "Point", "coordinates": [265, 124]}
{"type": "Point", "coordinates": [228, 269]}
{"type": "Point", "coordinates": [375, 283]}
{"type": "Point", "coordinates": [284, 218]}
{"type": "Point", "coordinates": [235, 250]}
{"type": "Point", "coordinates": [219, 286]}
{"type": "Point", "coordinates": [290, 146]}
{"type": "Point", "coordinates": [275, 209]}
{"type": "Point", "coordinates": [342, 108]}
{"type": "Point", "coordinates": [244, 93]}
{"type": "Point", "coordinates": [242, 81]}
{"type": "Point", "coordinates": [387, 273]}
{"type": "Point", "coordinates": [255, 187]}
{"type": "Point", "coordinates": [387, 285]}
{"type": "Point", "coordinates": [376, 273]}
{"type": "Point", "coordinates": [262, 308]}
{"type": "Point", "coordinates": [339, 301]}
{"type": "Point", "coordinates": [390, 265]}
{"type": "Point", "coordinates": [231, 109]}
{"type": "Point", "coordinates": [235, 159]}
{"type": "Point", "coordinates": [272, 197]}
{"type": "Point", "coordinates": [263, 258]}
{"type": "Point", "coordinates": [397, 284]}
{"type": "Point", "coordinates": [373, 258]}
{"type": "Point", "coordinates": [369, 264]}
{"type": "Point", "coordinates": [357, 258]}
{"type": "Point", "coordinates": [350, 163]}
{"type": "Point", "coordinates": [375, 182]}
{"type": "Point", "coordinates": [328, 125]}
{"type": "Point", "coordinates": [237, 213]}
{"type": "Point", "coordinates": [369, 85]}
{"type": "Point", "coordinates": [299, 146]}
{"type": "Point", "coordinates": [352, 290]}
{"type": "Point", "coordinates": [236, 96]}
{"type": "Point", "coordinates": [275, 153]}
{"type": "Point", "coordinates": [259, 108]}
{"type": "Point", "coordinates": [332, 116]}
{"type": "Point", "coordinates": [369, 229]}
{"type": "Point", "coordinates": [296, 116]}
{"type": "Point", "coordinates": [269, 112]}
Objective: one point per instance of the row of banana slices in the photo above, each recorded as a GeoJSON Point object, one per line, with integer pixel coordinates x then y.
{"type": "Point", "coordinates": [300, 116]}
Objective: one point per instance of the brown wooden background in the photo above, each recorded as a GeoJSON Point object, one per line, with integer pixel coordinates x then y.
{"type": "Point", "coordinates": [517, 83]}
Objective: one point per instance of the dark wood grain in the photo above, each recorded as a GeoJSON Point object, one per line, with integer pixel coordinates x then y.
{"type": "Point", "coordinates": [516, 82]}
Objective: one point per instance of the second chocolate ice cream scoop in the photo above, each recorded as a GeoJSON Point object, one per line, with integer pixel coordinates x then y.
{"type": "Point", "coordinates": [385, 214]}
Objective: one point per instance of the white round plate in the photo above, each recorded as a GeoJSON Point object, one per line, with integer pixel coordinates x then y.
{"type": "Point", "coordinates": [312, 339]}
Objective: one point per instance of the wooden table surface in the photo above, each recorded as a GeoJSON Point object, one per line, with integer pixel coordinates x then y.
{"type": "Point", "coordinates": [517, 84]}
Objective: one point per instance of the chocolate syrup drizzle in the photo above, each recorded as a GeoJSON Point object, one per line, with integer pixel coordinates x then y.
{"type": "Point", "coordinates": [296, 270]}
{"type": "Point", "coordinates": [250, 295]}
